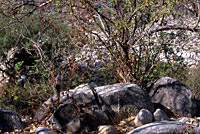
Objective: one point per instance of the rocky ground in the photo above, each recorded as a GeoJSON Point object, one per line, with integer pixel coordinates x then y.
{"type": "Point", "coordinates": [125, 103]}
{"type": "Point", "coordinates": [123, 127]}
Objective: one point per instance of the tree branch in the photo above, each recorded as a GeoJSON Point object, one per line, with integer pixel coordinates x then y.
{"type": "Point", "coordinates": [173, 27]}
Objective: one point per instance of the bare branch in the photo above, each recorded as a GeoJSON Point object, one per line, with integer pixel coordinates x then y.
{"type": "Point", "coordinates": [173, 27]}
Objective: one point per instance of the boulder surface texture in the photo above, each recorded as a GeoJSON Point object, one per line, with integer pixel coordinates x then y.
{"type": "Point", "coordinates": [83, 108]}
{"type": "Point", "coordinates": [165, 127]}
{"type": "Point", "coordinates": [10, 121]}
{"type": "Point", "coordinates": [174, 95]}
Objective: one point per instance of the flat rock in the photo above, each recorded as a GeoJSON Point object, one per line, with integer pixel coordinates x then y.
{"type": "Point", "coordinates": [174, 95]}
{"type": "Point", "coordinates": [165, 127]}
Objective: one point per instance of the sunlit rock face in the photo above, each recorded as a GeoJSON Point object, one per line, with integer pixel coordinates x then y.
{"type": "Point", "coordinates": [82, 109]}
{"type": "Point", "coordinates": [174, 95]}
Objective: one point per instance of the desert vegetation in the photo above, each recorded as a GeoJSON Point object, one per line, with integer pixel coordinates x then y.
{"type": "Point", "coordinates": [106, 42]}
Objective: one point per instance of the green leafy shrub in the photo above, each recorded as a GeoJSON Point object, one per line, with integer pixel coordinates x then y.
{"type": "Point", "coordinates": [24, 100]}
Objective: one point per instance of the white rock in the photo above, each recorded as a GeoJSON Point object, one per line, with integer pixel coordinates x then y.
{"type": "Point", "coordinates": [143, 117]}
{"type": "Point", "coordinates": [44, 130]}
{"type": "Point", "coordinates": [165, 127]}
{"type": "Point", "coordinates": [160, 115]}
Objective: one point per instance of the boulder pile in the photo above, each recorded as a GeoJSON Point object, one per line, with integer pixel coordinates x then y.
{"type": "Point", "coordinates": [92, 109]}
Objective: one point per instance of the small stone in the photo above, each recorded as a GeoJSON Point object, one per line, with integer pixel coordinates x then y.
{"type": "Point", "coordinates": [73, 126]}
{"type": "Point", "coordinates": [188, 120]}
{"type": "Point", "coordinates": [44, 130]}
{"type": "Point", "coordinates": [160, 115]}
{"type": "Point", "coordinates": [143, 117]}
{"type": "Point", "coordinates": [107, 129]}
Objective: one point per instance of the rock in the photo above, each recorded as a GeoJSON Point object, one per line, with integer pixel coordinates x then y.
{"type": "Point", "coordinates": [165, 127]}
{"type": "Point", "coordinates": [160, 115]}
{"type": "Point", "coordinates": [26, 57]}
{"type": "Point", "coordinates": [111, 104]}
{"type": "Point", "coordinates": [143, 117]}
{"type": "Point", "coordinates": [164, 109]}
{"type": "Point", "coordinates": [188, 120]}
{"type": "Point", "coordinates": [107, 129]}
{"type": "Point", "coordinates": [44, 130]}
{"type": "Point", "coordinates": [183, 119]}
{"type": "Point", "coordinates": [174, 95]}
{"type": "Point", "coordinates": [46, 107]}
{"type": "Point", "coordinates": [10, 121]}
{"type": "Point", "coordinates": [66, 119]}
{"type": "Point", "coordinates": [198, 106]}
{"type": "Point", "coordinates": [125, 99]}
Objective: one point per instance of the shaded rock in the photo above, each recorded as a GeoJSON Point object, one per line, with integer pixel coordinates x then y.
{"type": "Point", "coordinates": [165, 109]}
{"type": "Point", "coordinates": [69, 118]}
{"type": "Point", "coordinates": [143, 117]}
{"type": "Point", "coordinates": [10, 121]}
{"type": "Point", "coordinates": [107, 129]}
{"type": "Point", "coordinates": [66, 119]}
{"type": "Point", "coordinates": [160, 115]}
{"type": "Point", "coordinates": [174, 95]}
{"type": "Point", "coordinates": [198, 106]}
{"type": "Point", "coordinates": [44, 130]}
{"type": "Point", "coordinates": [165, 127]}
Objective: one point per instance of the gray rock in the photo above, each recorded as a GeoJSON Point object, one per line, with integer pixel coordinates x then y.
{"type": "Point", "coordinates": [66, 119]}
{"type": "Point", "coordinates": [198, 106]}
{"type": "Point", "coordinates": [44, 130]}
{"type": "Point", "coordinates": [165, 127]}
{"type": "Point", "coordinates": [143, 117]}
{"type": "Point", "coordinates": [183, 119]}
{"type": "Point", "coordinates": [188, 120]}
{"type": "Point", "coordinates": [125, 99]}
{"type": "Point", "coordinates": [160, 115]}
{"type": "Point", "coordinates": [107, 129]}
{"type": "Point", "coordinates": [113, 103]}
{"type": "Point", "coordinates": [174, 95]}
{"type": "Point", "coordinates": [10, 121]}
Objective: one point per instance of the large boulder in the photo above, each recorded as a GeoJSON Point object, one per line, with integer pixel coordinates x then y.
{"type": "Point", "coordinates": [10, 121]}
{"type": "Point", "coordinates": [125, 99]}
{"type": "Point", "coordinates": [174, 95]}
{"type": "Point", "coordinates": [165, 127]}
{"type": "Point", "coordinates": [112, 103]}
